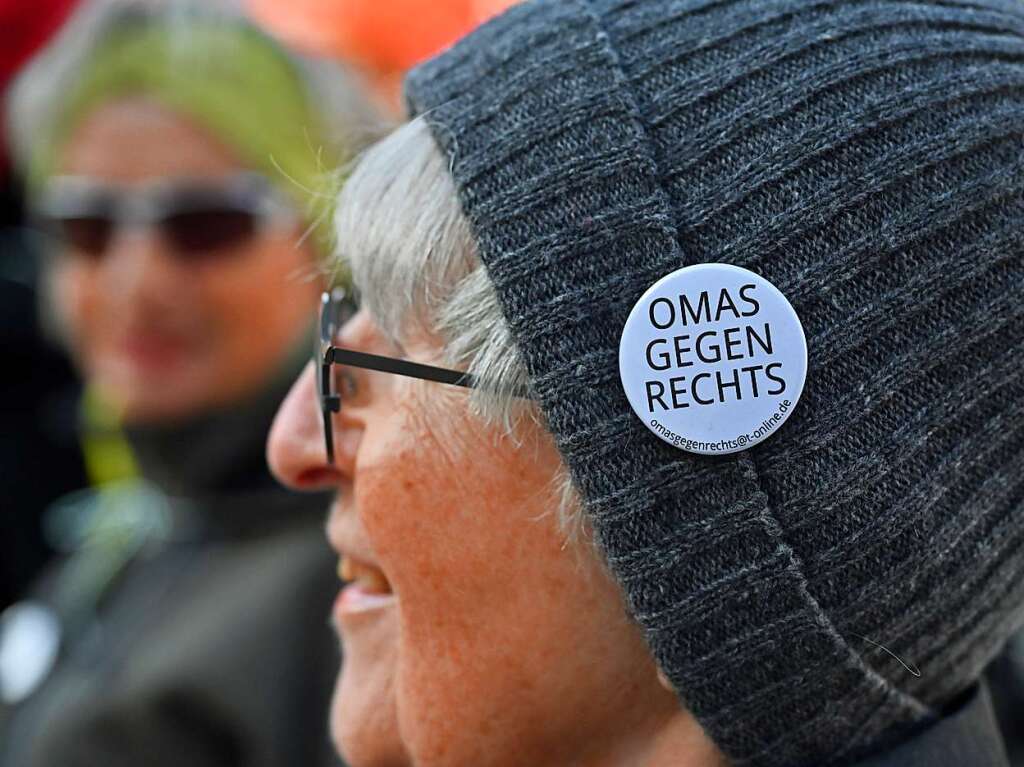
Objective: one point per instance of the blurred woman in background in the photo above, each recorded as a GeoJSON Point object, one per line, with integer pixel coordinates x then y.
{"type": "Point", "coordinates": [176, 154]}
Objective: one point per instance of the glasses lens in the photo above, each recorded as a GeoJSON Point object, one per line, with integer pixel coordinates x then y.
{"type": "Point", "coordinates": [85, 235]}
{"type": "Point", "coordinates": [336, 308]}
{"type": "Point", "coordinates": [210, 231]}
{"type": "Point", "coordinates": [325, 336]}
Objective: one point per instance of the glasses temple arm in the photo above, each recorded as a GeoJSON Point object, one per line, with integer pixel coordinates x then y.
{"type": "Point", "coordinates": [404, 368]}
{"type": "Point", "coordinates": [399, 367]}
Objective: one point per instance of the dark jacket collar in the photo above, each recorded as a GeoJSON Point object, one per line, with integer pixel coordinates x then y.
{"type": "Point", "coordinates": [216, 453]}
{"type": "Point", "coordinates": [966, 737]}
{"type": "Point", "coordinates": [213, 468]}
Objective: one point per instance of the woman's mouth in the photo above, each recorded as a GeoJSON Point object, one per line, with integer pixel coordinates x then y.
{"type": "Point", "coordinates": [152, 352]}
{"type": "Point", "coordinates": [366, 589]}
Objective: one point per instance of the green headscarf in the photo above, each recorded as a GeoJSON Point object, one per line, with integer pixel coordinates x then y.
{"type": "Point", "coordinates": [221, 72]}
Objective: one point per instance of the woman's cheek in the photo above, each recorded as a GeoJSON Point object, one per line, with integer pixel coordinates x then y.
{"type": "Point", "coordinates": [260, 298]}
{"type": "Point", "coordinates": [75, 304]}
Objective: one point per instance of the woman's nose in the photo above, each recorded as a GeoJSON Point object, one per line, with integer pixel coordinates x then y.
{"type": "Point", "coordinates": [140, 269]}
{"type": "Point", "coordinates": [296, 449]}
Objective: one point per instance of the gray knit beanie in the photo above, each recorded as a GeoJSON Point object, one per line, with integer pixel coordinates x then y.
{"type": "Point", "coordinates": [867, 159]}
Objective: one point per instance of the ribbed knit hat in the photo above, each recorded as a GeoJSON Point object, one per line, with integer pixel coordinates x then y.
{"type": "Point", "coordinates": [866, 158]}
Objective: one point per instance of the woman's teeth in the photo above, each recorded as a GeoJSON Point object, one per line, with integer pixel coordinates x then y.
{"type": "Point", "coordinates": [366, 593]}
{"type": "Point", "coordinates": [368, 579]}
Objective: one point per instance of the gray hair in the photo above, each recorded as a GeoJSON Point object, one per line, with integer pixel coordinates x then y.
{"type": "Point", "coordinates": [412, 257]}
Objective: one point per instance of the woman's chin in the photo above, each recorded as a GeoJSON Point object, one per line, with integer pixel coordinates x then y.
{"type": "Point", "coordinates": [139, 397]}
{"type": "Point", "coordinates": [364, 728]}
{"type": "Point", "coordinates": [364, 718]}
{"type": "Point", "coordinates": [138, 405]}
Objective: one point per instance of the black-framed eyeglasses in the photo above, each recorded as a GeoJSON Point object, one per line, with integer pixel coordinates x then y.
{"type": "Point", "coordinates": [336, 308]}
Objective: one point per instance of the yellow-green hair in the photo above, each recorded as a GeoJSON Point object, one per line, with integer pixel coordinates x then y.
{"type": "Point", "coordinates": [224, 74]}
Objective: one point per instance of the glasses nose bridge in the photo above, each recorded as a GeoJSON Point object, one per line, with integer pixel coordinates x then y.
{"type": "Point", "coordinates": [135, 210]}
{"type": "Point", "coordinates": [134, 218]}
{"type": "Point", "coordinates": [139, 264]}
{"type": "Point", "coordinates": [139, 207]}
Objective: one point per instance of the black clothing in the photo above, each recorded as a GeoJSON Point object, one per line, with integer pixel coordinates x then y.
{"type": "Point", "coordinates": [966, 737]}
{"type": "Point", "coordinates": [195, 620]}
{"type": "Point", "coordinates": [40, 459]}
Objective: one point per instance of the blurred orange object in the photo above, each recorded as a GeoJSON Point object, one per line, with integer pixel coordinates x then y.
{"type": "Point", "coordinates": [383, 36]}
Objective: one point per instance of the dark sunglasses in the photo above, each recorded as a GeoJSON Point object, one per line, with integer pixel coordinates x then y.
{"type": "Point", "coordinates": [336, 308]}
{"type": "Point", "coordinates": [198, 219]}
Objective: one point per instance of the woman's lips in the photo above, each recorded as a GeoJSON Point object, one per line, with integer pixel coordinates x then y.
{"type": "Point", "coordinates": [152, 352]}
{"type": "Point", "coordinates": [366, 590]}
{"type": "Point", "coordinates": [353, 599]}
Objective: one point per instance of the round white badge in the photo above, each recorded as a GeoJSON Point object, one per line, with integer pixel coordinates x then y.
{"type": "Point", "coordinates": [713, 358]}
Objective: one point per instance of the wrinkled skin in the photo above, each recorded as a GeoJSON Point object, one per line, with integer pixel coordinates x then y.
{"type": "Point", "coordinates": [501, 645]}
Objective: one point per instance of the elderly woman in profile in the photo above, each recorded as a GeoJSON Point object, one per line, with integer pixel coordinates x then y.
{"type": "Point", "coordinates": [534, 575]}
{"type": "Point", "coordinates": [173, 154]}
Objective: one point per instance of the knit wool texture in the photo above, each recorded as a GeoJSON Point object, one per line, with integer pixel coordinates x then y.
{"type": "Point", "coordinates": [865, 158]}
